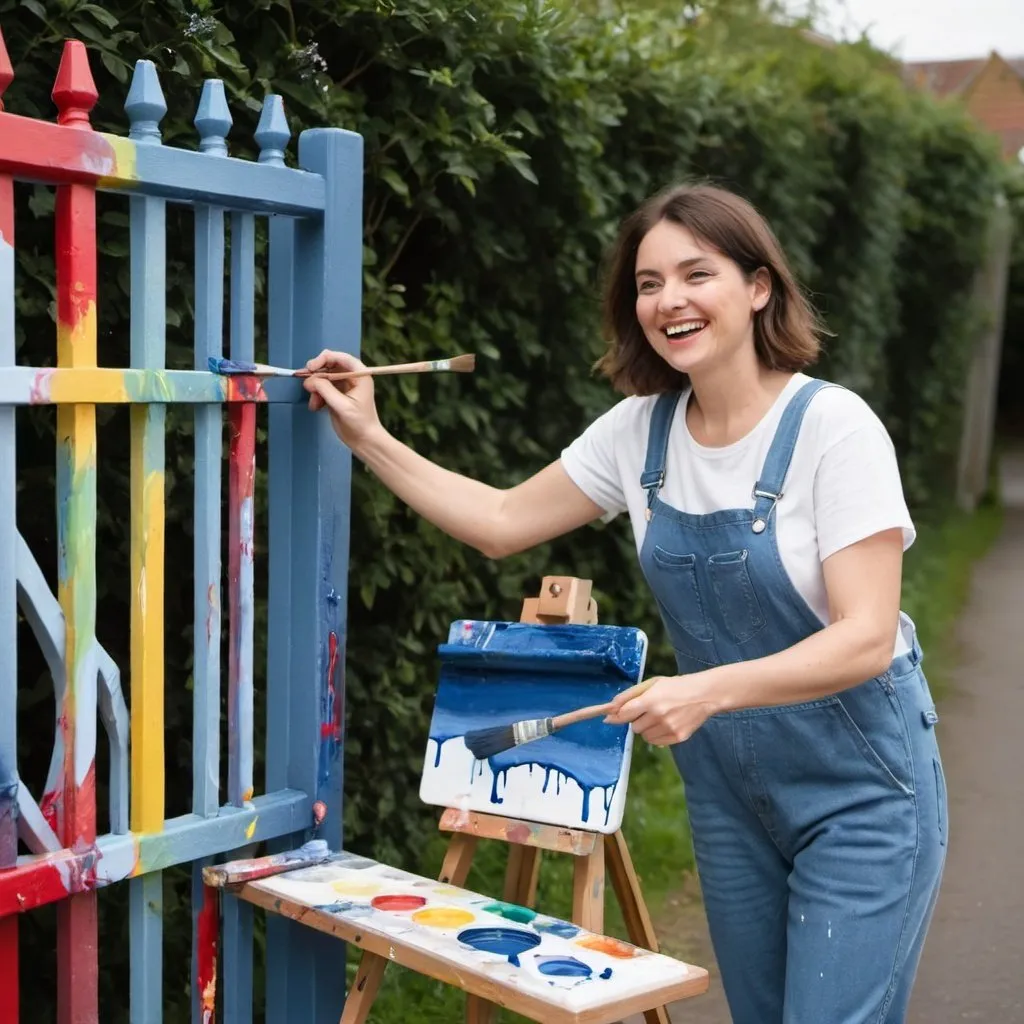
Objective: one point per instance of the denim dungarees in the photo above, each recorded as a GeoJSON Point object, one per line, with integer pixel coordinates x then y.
{"type": "Point", "coordinates": [818, 828]}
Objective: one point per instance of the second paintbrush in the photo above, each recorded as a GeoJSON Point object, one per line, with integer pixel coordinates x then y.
{"type": "Point", "coordinates": [484, 743]}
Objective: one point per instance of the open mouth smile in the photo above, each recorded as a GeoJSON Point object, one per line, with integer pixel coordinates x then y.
{"type": "Point", "coordinates": [684, 331]}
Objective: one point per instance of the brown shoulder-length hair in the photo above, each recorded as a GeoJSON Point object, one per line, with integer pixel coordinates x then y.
{"type": "Point", "coordinates": [785, 331]}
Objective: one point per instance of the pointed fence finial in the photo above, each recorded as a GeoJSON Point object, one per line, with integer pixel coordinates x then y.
{"type": "Point", "coordinates": [145, 105]}
{"type": "Point", "coordinates": [213, 119]}
{"type": "Point", "coordinates": [6, 70]}
{"type": "Point", "coordinates": [272, 133]}
{"type": "Point", "coordinates": [74, 91]}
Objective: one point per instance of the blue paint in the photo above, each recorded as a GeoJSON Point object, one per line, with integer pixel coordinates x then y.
{"type": "Point", "coordinates": [511, 671]}
{"type": "Point", "coordinates": [606, 973]}
{"type": "Point", "coordinates": [561, 929]}
{"type": "Point", "coordinates": [229, 367]}
{"type": "Point", "coordinates": [563, 967]}
{"type": "Point", "coordinates": [508, 942]}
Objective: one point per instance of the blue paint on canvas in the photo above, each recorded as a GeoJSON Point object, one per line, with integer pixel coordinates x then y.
{"type": "Point", "coordinates": [495, 673]}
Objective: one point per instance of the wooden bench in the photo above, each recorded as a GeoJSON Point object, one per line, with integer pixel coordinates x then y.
{"type": "Point", "coordinates": [541, 967]}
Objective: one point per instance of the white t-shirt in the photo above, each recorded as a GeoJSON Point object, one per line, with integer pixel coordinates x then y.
{"type": "Point", "coordinates": [843, 483]}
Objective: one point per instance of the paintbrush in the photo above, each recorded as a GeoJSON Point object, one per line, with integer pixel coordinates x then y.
{"type": "Point", "coordinates": [484, 743]}
{"type": "Point", "coordinates": [237, 368]}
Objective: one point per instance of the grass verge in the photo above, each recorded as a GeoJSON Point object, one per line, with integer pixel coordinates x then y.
{"type": "Point", "coordinates": [936, 581]}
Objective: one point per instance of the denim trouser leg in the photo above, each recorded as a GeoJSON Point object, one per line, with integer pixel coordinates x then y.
{"type": "Point", "coordinates": [743, 883]}
{"type": "Point", "coordinates": [819, 831]}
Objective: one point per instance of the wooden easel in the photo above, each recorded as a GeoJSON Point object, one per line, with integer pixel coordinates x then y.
{"type": "Point", "coordinates": [562, 600]}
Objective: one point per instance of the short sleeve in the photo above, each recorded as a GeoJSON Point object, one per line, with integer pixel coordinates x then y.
{"type": "Point", "coordinates": [592, 464]}
{"type": "Point", "coordinates": [858, 491]}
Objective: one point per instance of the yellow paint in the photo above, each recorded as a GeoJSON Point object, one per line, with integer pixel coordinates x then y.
{"type": "Point", "coordinates": [443, 917]}
{"type": "Point", "coordinates": [356, 888]}
{"type": "Point", "coordinates": [126, 170]}
{"type": "Point", "coordinates": [147, 620]}
{"type": "Point", "coordinates": [447, 890]}
{"type": "Point", "coordinates": [251, 830]}
{"type": "Point", "coordinates": [76, 343]}
{"type": "Point", "coordinates": [102, 386]}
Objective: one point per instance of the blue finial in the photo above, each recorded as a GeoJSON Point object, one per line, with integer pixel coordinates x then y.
{"type": "Point", "coordinates": [145, 105]}
{"type": "Point", "coordinates": [213, 119]}
{"type": "Point", "coordinates": [272, 133]}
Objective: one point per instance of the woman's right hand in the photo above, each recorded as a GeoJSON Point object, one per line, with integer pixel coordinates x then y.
{"type": "Point", "coordinates": [350, 402]}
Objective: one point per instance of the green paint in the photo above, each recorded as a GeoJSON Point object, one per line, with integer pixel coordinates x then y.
{"type": "Point", "coordinates": [511, 912]}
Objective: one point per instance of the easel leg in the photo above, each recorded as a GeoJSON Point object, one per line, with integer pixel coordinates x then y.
{"type": "Point", "coordinates": [588, 890]}
{"type": "Point", "coordinates": [521, 875]}
{"type": "Point", "coordinates": [364, 989]}
{"type": "Point", "coordinates": [458, 859]}
{"type": "Point", "coordinates": [634, 908]}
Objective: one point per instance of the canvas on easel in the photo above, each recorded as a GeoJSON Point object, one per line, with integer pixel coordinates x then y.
{"type": "Point", "coordinates": [493, 673]}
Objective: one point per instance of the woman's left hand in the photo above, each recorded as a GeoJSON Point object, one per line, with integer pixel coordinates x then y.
{"type": "Point", "coordinates": [664, 710]}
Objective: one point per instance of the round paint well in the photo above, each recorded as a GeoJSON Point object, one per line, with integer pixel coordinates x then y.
{"type": "Point", "coordinates": [443, 917]}
{"type": "Point", "coordinates": [563, 967]}
{"type": "Point", "coordinates": [561, 929]}
{"type": "Point", "coordinates": [355, 888]}
{"type": "Point", "coordinates": [397, 902]}
{"type": "Point", "coordinates": [508, 942]}
{"type": "Point", "coordinates": [512, 912]}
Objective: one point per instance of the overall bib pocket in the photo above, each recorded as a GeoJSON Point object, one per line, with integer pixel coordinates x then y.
{"type": "Point", "coordinates": [734, 593]}
{"type": "Point", "coordinates": [679, 578]}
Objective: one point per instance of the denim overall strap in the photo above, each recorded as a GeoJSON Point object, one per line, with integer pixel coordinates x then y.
{"type": "Point", "coordinates": [768, 488]}
{"type": "Point", "coordinates": [653, 475]}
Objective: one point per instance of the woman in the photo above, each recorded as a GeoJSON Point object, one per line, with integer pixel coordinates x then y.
{"type": "Point", "coordinates": [770, 523]}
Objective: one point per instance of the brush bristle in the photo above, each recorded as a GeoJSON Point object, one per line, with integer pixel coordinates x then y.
{"type": "Point", "coordinates": [229, 367]}
{"type": "Point", "coordinates": [463, 364]}
{"type": "Point", "coordinates": [485, 743]}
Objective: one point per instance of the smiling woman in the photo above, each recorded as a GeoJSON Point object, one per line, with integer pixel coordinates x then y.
{"type": "Point", "coordinates": [770, 523]}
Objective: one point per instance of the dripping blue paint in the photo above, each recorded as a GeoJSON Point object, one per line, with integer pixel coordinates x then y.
{"type": "Point", "coordinates": [494, 673]}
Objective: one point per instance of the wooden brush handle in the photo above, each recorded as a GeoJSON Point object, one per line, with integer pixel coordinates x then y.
{"type": "Point", "coordinates": [594, 710]}
{"type": "Point", "coordinates": [423, 366]}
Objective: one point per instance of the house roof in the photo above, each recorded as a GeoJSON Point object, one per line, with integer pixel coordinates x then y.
{"type": "Point", "coordinates": [994, 97]}
{"type": "Point", "coordinates": [943, 77]}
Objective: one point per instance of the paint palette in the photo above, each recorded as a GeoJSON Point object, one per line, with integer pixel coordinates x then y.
{"type": "Point", "coordinates": [548, 962]}
{"type": "Point", "coordinates": [497, 673]}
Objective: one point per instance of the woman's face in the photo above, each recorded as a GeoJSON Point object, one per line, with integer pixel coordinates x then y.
{"type": "Point", "coordinates": [694, 304]}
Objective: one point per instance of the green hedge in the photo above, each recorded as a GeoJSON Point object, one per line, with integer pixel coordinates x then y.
{"type": "Point", "coordinates": [504, 141]}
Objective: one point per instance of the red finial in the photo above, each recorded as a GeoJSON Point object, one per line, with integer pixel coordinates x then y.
{"type": "Point", "coordinates": [6, 70]}
{"type": "Point", "coordinates": [74, 91]}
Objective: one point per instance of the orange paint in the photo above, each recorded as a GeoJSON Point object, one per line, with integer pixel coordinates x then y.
{"type": "Point", "coordinates": [610, 947]}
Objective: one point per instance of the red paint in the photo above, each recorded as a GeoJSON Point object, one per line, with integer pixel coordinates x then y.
{"type": "Point", "coordinates": [42, 880]}
{"type": "Point", "coordinates": [39, 149]}
{"type": "Point", "coordinates": [74, 90]}
{"type": "Point", "coordinates": [207, 927]}
{"type": "Point", "coordinates": [8, 943]}
{"type": "Point", "coordinates": [397, 902]}
{"type": "Point", "coordinates": [48, 807]}
{"type": "Point", "coordinates": [77, 927]}
{"type": "Point", "coordinates": [6, 202]}
{"type": "Point", "coordinates": [518, 833]}
{"type": "Point", "coordinates": [330, 728]}
{"type": "Point", "coordinates": [244, 388]}
{"type": "Point", "coordinates": [241, 484]}
{"type": "Point", "coordinates": [6, 77]}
